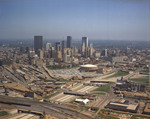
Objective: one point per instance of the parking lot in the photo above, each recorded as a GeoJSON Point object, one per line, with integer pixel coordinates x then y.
{"type": "Point", "coordinates": [68, 73]}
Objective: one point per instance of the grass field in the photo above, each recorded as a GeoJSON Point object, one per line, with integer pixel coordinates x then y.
{"type": "Point", "coordinates": [101, 116]}
{"type": "Point", "coordinates": [53, 67]}
{"type": "Point", "coordinates": [115, 112]}
{"type": "Point", "coordinates": [139, 117]}
{"type": "Point", "coordinates": [145, 70]}
{"type": "Point", "coordinates": [120, 73]}
{"type": "Point", "coordinates": [104, 88]}
{"type": "Point", "coordinates": [141, 80]}
{"type": "Point", "coordinates": [3, 113]}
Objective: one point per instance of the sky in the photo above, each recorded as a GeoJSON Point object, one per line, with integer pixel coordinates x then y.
{"type": "Point", "coordinates": [57, 19]}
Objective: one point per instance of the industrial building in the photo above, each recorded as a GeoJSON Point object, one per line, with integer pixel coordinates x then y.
{"type": "Point", "coordinates": [123, 106]}
{"type": "Point", "coordinates": [125, 85]}
{"type": "Point", "coordinates": [82, 101]}
{"type": "Point", "coordinates": [147, 108]}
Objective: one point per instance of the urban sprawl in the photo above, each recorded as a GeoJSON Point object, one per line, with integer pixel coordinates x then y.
{"type": "Point", "coordinates": [62, 81]}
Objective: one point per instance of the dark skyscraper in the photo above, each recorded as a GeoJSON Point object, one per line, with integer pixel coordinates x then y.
{"type": "Point", "coordinates": [85, 41]}
{"type": "Point", "coordinates": [57, 46]}
{"type": "Point", "coordinates": [63, 44]}
{"type": "Point", "coordinates": [38, 43]}
{"type": "Point", "coordinates": [69, 41]}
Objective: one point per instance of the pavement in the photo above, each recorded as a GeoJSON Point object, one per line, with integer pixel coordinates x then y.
{"type": "Point", "coordinates": [57, 110]}
{"type": "Point", "coordinates": [81, 89]}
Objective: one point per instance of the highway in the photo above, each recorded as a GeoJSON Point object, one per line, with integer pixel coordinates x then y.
{"type": "Point", "coordinates": [57, 110]}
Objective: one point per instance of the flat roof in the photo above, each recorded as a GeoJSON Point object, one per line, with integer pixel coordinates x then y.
{"type": "Point", "coordinates": [128, 107]}
{"type": "Point", "coordinates": [119, 104]}
{"type": "Point", "coordinates": [147, 107]}
{"type": "Point", "coordinates": [16, 86]}
{"type": "Point", "coordinates": [132, 107]}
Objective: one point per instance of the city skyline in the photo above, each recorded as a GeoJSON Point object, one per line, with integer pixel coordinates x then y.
{"type": "Point", "coordinates": [96, 19]}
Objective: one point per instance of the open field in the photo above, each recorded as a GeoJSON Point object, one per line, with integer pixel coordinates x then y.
{"type": "Point", "coordinates": [61, 67]}
{"type": "Point", "coordinates": [120, 73]}
{"type": "Point", "coordinates": [145, 70]}
{"type": "Point", "coordinates": [116, 114]}
{"type": "Point", "coordinates": [104, 88]}
{"type": "Point", "coordinates": [139, 117]}
{"type": "Point", "coordinates": [141, 80]}
{"type": "Point", "coordinates": [3, 113]}
{"type": "Point", "coordinates": [101, 116]}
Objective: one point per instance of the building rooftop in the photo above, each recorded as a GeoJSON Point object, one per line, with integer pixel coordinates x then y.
{"type": "Point", "coordinates": [15, 86]}
{"type": "Point", "coordinates": [89, 66]}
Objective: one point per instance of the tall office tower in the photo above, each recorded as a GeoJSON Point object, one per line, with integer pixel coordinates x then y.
{"type": "Point", "coordinates": [57, 46]}
{"type": "Point", "coordinates": [40, 54]}
{"type": "Point", "coordinates": [52, 52]}
{"type": "Point", "coordinates": [38, 43]}
{"type": "Point", "coordinates": [66, 58]}
{"type": "Point", "coordinates": [91, 45]}
{"type": "Point", "coordinates": [83, 48]}
{"type": "Point", "coordinates": [74, 51]}
{"type": "Point", "coordinates": [31, 54]}
{"type": "Point", "coordinates": [105, 52]}
{"type": "Point", "coordinates": [85, 41]}
{"type": "Point", "coordinates": [69, 41]}
{"type": "Point", "coordinates": [48, 45]}
{"type": "Point", "coordinates": [64, 44]}
{"type": "Point", "coordinates": [58, 55]}
{"type": "Point", "coordinates": [91, 52]}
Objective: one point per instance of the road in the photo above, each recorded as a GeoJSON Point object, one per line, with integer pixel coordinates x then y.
{"type": "Point", "coordinates": [57, 110]}
{"type": "Point", "coordinates": [14, 78]}
{"type": "Point", "coordinates": [81, 89]}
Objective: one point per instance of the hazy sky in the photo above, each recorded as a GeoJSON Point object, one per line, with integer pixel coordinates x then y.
{"type": "Point", "coordinates": [55, 19]}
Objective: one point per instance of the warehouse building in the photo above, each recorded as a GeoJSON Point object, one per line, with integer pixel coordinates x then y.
{"type": "Point", "coordinates": [122, 106]}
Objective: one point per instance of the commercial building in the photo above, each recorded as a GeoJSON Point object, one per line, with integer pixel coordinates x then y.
{"type": "Point", "coordinates": [48, 46]}
{"type": "Point", "coordinates": [123, 106]}
{"type": "Point", "coordinates": [66, 58]}
{"type": "Point", "coordinates": [64, 44]}
{"type": "Point", "coordinates": [69, 41]}
{"type": "Point", "coordinates": [38, 43]}
{"type": "Point", "coordinates": [118, 59]}
{"type": "Point", "coordinates": [57, 46]}
{"type": "Point", "coordinates": [147, 108]}
{"type": "Point", "coordinates": [85, 41]}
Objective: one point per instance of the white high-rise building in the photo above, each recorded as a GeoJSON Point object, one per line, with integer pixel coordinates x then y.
{"type": "Point", "coordinates": [48, 46]}
{"type": "Point", "coordinates": [66, 58]}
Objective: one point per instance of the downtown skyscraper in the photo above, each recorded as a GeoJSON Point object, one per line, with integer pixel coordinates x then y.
{"type": "Point", "coordinates": [85, 41]}
{"type": "Point", "coordinates": [69, 41]}
{"type": "Point", "coordinates": [38, 43]}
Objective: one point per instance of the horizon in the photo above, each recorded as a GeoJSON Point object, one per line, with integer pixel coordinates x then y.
{"type": "Point", "coordinates": [96, 19]}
